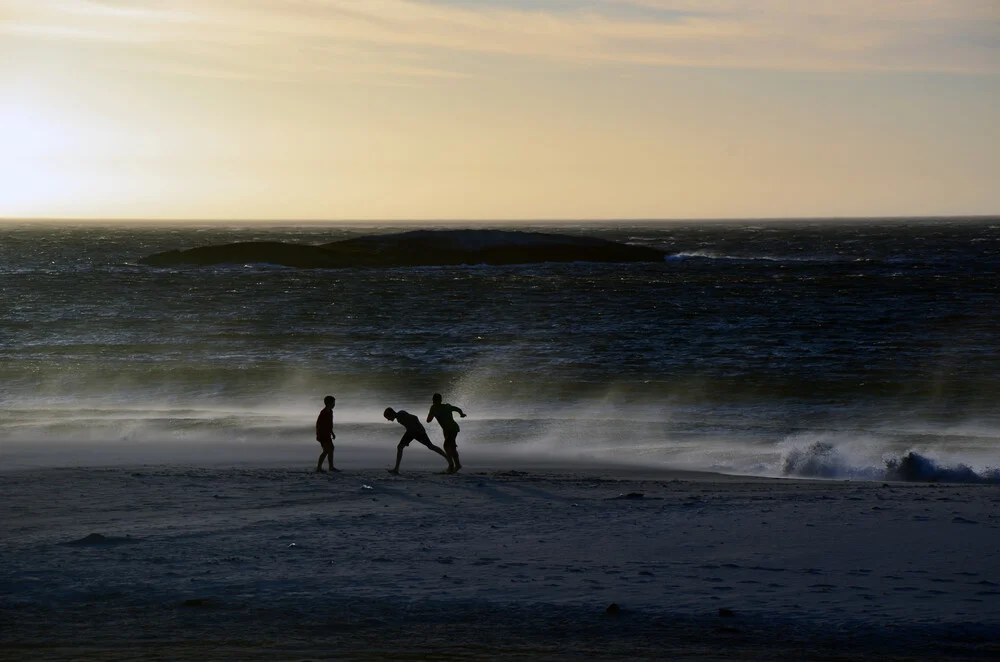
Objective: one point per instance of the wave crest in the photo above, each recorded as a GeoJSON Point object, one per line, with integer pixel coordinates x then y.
{"type": "Point", "coordinates": [824, 460]}
{"type": "Point", "coordinates": [913, 467]}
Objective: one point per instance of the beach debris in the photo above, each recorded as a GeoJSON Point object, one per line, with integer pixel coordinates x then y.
{"type": "Point", "coordinates": [613, 609]}
{"type": "Point", "coordinates": [197, 602]}
{"type": "Point", "coordinates": [726, 613]}
{"type": "Point", "coordinates": [291, 544]}
{"type": "Point", "coordinates": [366, 487]}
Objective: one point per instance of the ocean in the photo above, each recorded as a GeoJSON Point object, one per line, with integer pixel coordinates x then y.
{"type": "Point", "coordinates": [157, 453]}
{"type": "Point", "coordinates": [820, 348]}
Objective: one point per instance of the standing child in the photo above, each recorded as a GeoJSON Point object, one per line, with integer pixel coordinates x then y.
{"type": "Point", "coordinates": [414, 430]}
{"type": "Point", "coordinates": [443, 412]}
{"type": "Point", "coordinates": [324, 433]}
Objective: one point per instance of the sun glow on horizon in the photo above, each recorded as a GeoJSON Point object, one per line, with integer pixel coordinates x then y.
{"type": "Point", "coordinates": [34, 158]}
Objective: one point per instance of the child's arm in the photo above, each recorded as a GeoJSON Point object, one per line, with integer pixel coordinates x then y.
{"type": "Point", "coordinates": [430, 415]}
{"type": "Point", "coordinates": [460, 412]}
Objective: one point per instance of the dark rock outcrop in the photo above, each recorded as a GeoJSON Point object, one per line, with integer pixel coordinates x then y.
{"type": "Point", "coordinates": [255, 252]}
{"type": "Point", "coordinates": [416, 249]}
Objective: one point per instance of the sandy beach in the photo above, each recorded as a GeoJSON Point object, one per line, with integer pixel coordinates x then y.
{"type": "Point", "coordinates": [690, 310]}
{"type": "Point", "coordinates": [278, 563]}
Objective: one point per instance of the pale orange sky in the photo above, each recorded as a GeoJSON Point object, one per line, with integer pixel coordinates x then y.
{"type": "Point", "coordinates": [511, 109]}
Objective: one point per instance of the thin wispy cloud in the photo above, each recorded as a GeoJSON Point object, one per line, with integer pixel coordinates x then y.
{"type": "Point", "coordinates": [858, 10]}
{"type": "Point", "coordinates": [424, 38]}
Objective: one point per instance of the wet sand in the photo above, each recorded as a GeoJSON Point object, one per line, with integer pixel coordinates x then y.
{"type": "Point", "coordinates": [274, 563]}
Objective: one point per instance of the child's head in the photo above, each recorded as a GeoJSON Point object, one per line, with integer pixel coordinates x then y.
{"type": "Point", "coordinates": [436, 398]}
{"type": "Point", "coordinates": [389, 413]}
{"type": "Point", "coordinates": [329, 401]}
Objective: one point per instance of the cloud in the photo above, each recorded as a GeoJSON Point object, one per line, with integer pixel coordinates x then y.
{"type": "Point", "coordinates": [414, 39]}
{"type": "Point", "coordinates": [910, 35]}
{"type": "Point", "coordinates": [856, 10]}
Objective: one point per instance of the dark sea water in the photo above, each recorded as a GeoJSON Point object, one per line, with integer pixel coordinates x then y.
{"type": "Point", "coordinates": [821, 348]}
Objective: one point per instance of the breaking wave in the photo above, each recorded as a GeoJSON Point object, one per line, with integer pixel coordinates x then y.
{"type": "Point", "coordinates": [914, 467]}
{"type": "Point", "coordinates": [825, 460]}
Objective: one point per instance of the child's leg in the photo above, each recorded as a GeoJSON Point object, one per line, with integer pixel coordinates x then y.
{"type": "Point", "coordinates": [428, 444]}
{"type": "Point", "coordinates": [399, 457]}
{"type": "Point", "coordinates": [451, 448]}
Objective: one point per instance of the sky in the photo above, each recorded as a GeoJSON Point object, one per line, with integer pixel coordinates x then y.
{"type": "Point", "coordinates": [502, 109]}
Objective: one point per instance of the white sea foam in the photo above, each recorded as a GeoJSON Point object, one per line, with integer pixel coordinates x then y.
{"type": "Point", "coordinates": [601, 431]}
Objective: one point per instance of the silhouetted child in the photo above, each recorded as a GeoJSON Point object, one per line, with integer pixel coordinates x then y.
{"type": "Point", "coordinates": [443, 413]}
{"type": "Point", "coordinates": [324, 433]}
{"type": "Point", "coordinates": [414, 431]}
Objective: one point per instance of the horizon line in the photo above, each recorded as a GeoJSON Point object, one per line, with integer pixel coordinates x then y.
{"type": "Point", "coordinates": [709, 219]}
